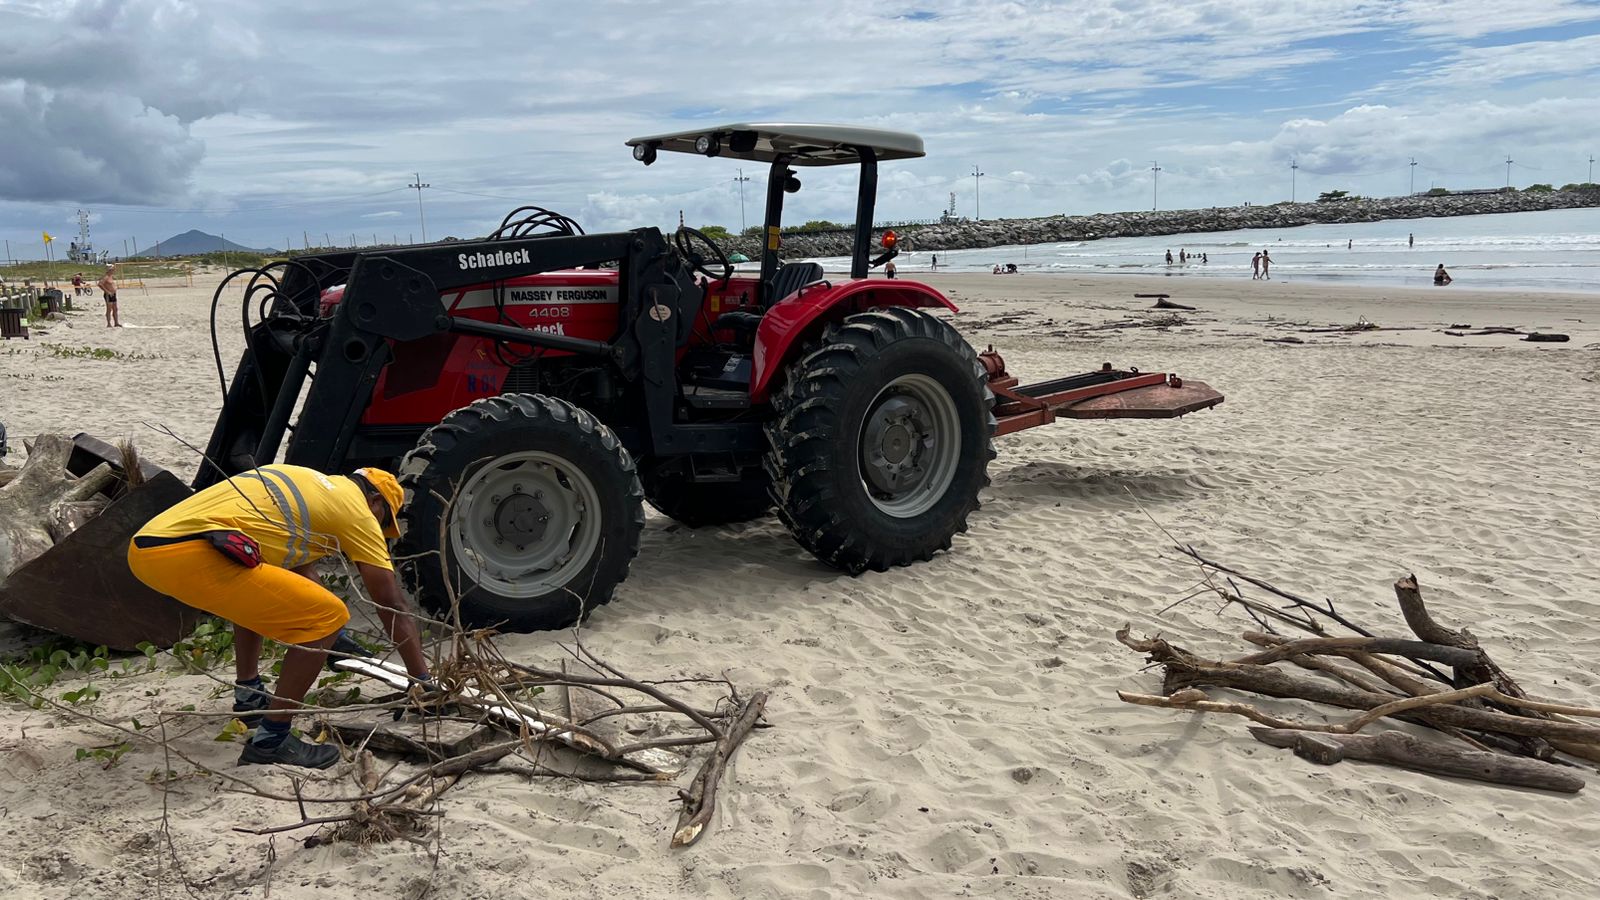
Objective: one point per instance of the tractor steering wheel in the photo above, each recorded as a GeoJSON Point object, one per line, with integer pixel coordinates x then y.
{"type": "Point", "coordinates": [683, 240]}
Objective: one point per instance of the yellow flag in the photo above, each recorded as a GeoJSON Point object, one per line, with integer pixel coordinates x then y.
{"type": "Point", "coordinates": [47, 237]}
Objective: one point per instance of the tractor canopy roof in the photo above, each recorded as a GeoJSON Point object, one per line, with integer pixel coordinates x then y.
{"type": "Point", "coordinates": [804, 145]}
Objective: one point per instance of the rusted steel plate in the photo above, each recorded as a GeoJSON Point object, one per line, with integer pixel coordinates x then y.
{"type": "Point", "coordinates": [82, 588]}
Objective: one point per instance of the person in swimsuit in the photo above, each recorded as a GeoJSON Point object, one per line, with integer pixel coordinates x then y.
{"type": "Point", "coordinates": [1441, 277]}
{"type": "Point", "coordinates": [108, 286]}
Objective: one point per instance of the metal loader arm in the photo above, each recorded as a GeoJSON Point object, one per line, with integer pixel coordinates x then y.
{"type": "Point", "coordinates": [394, 295]}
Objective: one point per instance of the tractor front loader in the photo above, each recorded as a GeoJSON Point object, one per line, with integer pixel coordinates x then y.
{"type": "Point", "coordinates": [534, 389]}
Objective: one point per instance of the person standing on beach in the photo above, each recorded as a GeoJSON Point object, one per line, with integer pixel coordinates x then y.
{"type": "Point", "coordinates": [1266, 264]}
{"type": "Point", "coordinates": [888, 269]}
{"type": "Point", "coordinates": [108, 287]}
{"type": "Point", "coordinates": [936, 262]}
{"type": "Point", "coordinates": [1255, 267]}
{"type": "Point", "coordinates": [246, 550]}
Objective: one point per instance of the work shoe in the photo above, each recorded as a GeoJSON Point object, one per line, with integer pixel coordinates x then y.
{"type": "Point", "coordinates": [292, 752]}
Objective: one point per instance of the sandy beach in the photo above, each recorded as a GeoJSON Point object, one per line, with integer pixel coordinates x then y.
{"type": "Point", "coordinates": [952, 729]}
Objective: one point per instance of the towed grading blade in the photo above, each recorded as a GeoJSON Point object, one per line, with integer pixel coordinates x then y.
{"type": "Point", "coordinates": [1105, 394]}
{"type": "Point", "coordinates": [81, 587]}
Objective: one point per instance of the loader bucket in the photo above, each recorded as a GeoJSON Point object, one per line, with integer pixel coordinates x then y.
{"type": "Point", "coordinates": [82, 587]}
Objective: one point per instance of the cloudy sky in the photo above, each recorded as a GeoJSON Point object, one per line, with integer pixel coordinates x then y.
{"type": "Point", "coordinates": [267, 121]}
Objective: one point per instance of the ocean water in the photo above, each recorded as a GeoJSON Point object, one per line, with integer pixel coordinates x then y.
{"type": "Point", "coordinates": [1557, 250]}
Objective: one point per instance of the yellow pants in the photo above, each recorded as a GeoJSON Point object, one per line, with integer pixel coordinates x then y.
{"type": "Point", "coordinates": [270, 601]}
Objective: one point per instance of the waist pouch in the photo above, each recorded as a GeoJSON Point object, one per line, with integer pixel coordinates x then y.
{"type": "Point", "coordinates": [235, 545]}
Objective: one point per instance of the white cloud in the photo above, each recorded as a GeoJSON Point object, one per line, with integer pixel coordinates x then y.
{"type": "Point", "coordinates": [1071, 99]}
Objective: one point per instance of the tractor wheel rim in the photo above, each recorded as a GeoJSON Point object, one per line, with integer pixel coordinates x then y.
{"type": "Point", "coordinates": [910, 446]}
{"type": "Point", "coordinates": [525, 524]}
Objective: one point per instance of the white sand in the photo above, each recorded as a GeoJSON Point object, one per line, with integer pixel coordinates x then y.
{"type": "Point", "coordinates": [952, 729]}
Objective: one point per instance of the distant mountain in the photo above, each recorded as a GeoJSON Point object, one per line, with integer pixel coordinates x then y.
{"type": "Point", "coordinates": [195, 241]}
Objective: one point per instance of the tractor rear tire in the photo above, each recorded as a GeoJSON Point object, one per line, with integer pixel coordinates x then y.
{"type": "Point", "coordinates": [882, 440]}
{"type": "Point", "coordinates": [525, 507]}
{"type": "Point", "coordinates": [699, 504]}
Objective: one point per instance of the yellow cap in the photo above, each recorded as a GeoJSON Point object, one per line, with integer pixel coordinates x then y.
{"type": "Point", "coordinates": [389, 487]}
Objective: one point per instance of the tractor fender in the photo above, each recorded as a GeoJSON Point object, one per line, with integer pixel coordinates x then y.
{"type": "Point", "coordinates": [785, 326]}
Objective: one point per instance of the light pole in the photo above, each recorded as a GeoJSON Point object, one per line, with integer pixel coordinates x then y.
{"type": "Point", "coordinates": [977, 194]}
{"type": "Point", "coordinates": [1155, 184]}
{"type": "Point", "coordinates": [1413, 188]}
{"type": "Point", "coordinates": [1591, 168]}
{"type": "Point", "coordinates": [741, 180]}
{"type": "Point", "coordinates": [418, 185]}
{"type": "Point", "coordinates": [1294, 169]}
{"type": "Point", "coordinates": [1508, 171]}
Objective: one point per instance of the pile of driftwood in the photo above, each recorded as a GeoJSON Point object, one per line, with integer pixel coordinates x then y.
{"type": "Point", "coordinates": [1547, 337]}
{"type": "Point", "coordinates": [489, 714]}
{"type": "Point", "coordinates": [1487, 727]}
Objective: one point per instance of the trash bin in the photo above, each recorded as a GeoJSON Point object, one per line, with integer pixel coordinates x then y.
{"type": "Point", "coordinates": [11, 324]}
{"type": "Point", "coordinates": [52, 301]}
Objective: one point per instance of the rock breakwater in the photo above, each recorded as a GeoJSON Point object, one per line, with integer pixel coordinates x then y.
{"type": "Point", "coordinates": [966, 234]}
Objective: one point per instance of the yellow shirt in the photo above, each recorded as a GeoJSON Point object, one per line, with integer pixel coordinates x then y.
{"type": "Point", "coordinates": [297, 515]}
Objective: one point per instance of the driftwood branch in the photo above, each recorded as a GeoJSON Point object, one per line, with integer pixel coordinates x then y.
{"type": "Point", "coordinates": [1450, 655]}
{"type": "Point", "coordinates": [1405, 751]}
{"type": "Point", "coordinates": [1422, 624]}
{"type": "Point", "coordinates": [700, 801]}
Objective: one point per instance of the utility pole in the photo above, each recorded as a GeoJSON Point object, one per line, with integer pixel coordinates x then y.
{"type": "Point", "coordinates": [741, 180]}
{"type": "Point", "coordinates": [1155, 184]}
{"type": "Point", "coordinates": [1413, 188]}
{"type": "Point", "coordinates": [977, 194]}
{"type": "Point", "coordinates": [1508, 171]}
{"type": "Point", "coordinates": [1591, 168]}
{"type": "Point", "coordinates": [1294, 169]}
{"type": "Point", "coordinates": [418, 185]}
{"type": "Point", "coordinates": [305, 236]}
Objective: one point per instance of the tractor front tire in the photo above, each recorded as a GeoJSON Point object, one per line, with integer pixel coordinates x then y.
{"type": "Point", "coordinates": [523, 508]}
{"type": "Point", "coordinates": [668, 488]}
{"type": "Point", "coordinates": [881, 441]}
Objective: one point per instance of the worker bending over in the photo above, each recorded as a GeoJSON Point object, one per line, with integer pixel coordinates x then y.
{"type": "Point", "coordinates": [245, 550]}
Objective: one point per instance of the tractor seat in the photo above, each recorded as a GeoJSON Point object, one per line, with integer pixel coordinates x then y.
{"type": "Point", "coordinates": [789, 279]}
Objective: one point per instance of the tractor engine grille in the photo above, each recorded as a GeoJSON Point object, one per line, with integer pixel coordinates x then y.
{"type": "Point", "coordinates": [521, 380]}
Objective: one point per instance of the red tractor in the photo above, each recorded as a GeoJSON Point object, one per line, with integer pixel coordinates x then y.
{"type": "Point", "coordinates": [535, 388]}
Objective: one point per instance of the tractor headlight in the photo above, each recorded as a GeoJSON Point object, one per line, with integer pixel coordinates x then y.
{"type": "Point", "coordinates": [707, 145]}
{"type": "Point", "coordinates": [645, 153]}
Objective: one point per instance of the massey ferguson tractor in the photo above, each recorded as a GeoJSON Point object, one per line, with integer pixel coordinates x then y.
{"type": "Point", "coordinates": [534, 389]}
